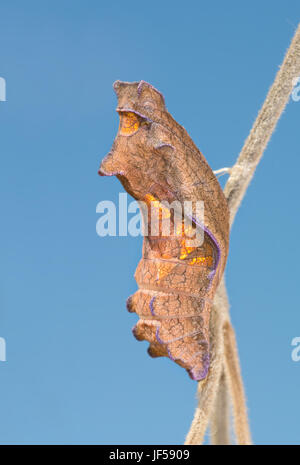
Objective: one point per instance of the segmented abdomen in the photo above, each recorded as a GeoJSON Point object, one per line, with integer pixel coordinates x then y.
{"type": "Point", "coordinates": [173, 303]}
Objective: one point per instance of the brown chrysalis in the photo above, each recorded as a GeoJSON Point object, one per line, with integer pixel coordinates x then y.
{"type": "Point", "coordinates": [158, 164]}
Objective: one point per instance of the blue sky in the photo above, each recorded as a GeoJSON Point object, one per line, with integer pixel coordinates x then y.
{"type": "Point", "coordinates": [74, 373]}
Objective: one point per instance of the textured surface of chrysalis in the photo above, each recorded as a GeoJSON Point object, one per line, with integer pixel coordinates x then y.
{"type": "Point", "coordinates": [159, 165]}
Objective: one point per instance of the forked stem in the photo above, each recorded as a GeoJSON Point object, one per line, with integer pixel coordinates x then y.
{"type": "Point", "coordinates": [236, 388]}
{"type": "Point", "coordinates": [220, 419]}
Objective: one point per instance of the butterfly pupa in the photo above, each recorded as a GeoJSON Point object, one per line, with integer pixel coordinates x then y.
{"type": "Point", "coordinates": [158, 164]}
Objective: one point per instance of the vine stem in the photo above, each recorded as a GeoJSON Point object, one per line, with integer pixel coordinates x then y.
{"type": "Point", "coordinates": [210, 407]}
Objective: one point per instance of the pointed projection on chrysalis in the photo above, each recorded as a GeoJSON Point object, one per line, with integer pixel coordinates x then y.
{"type": "Point", "coordinates": [159, 165]}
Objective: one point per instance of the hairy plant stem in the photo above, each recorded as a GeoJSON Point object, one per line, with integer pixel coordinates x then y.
{"type": "Point", "coordinates": [210, 407]}
{"type": "Point", "coordinates": [220, 423]}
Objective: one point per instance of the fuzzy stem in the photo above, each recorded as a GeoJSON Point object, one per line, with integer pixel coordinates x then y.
{"type": "Point", "coordinates": [233, 379]}
{"type": "Point", "coordinates": [236, 388]}
{"type": "Point", "coordinates": [220, 420]}
{"type": "Point", "coordinates": [235, 189]}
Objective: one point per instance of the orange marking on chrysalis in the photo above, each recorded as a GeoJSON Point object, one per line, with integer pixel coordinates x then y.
{"type": "Point", "coordinates": [129, 123]}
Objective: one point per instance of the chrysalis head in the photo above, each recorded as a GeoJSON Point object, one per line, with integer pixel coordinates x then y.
{"type": "Point", "coordinates": [141, 152]}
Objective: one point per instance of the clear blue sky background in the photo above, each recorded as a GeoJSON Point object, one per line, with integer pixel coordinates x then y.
{"type": "Point", "coordinates": [74, 372]}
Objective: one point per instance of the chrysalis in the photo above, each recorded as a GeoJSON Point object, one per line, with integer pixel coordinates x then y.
{"type": "Point", "coordinates": [159, 165]}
